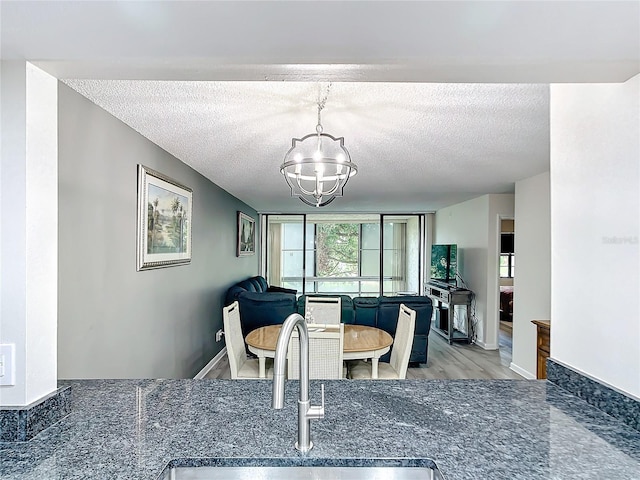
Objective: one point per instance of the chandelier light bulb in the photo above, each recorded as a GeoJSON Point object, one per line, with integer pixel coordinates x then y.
{"type": "Point", "coordinates": [317, 155]}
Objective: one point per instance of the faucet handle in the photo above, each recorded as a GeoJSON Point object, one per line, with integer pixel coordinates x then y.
{"type": "Point", "coordinates": [315, 411]}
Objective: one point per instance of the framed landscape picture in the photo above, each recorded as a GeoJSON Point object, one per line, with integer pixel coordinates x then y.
{"type": "Point", "coordinates": [164, 221]}
{"type": "Point", "coordinates": [246, 235]}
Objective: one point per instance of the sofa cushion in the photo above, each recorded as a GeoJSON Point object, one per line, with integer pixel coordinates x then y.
{"type": "Point", "coordinates": [254, 284]}
{"type": "Point", "coordinates": [249, 285]}
{"type": "Point", "coordinates": [232, 294]}
{"type": "Point", "coordinates": [259, 283]}
{"type": "Point", "coordinates": [365, 311]}
{"type": "Point", "coordinates": [260, 309]}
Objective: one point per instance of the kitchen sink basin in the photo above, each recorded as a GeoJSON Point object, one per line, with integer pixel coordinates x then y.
{"type": "Point", "coordinates": [302, 473]}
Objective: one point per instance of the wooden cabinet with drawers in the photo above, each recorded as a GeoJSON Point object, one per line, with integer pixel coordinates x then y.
{"type": "Point", "coordinates": [542, 349]}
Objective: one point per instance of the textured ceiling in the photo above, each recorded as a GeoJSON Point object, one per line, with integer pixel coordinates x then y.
{"type": "Point", "coordinates": [438, 101]}
{"type": "Point", "coordinates": [418, 147]}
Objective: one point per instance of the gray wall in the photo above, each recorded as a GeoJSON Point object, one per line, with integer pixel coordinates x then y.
{"type": "Point", "coordinates": [114, 322]}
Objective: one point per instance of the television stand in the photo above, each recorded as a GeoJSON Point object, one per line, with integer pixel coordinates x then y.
{"type": "Point", "coordinates": [446, 297]}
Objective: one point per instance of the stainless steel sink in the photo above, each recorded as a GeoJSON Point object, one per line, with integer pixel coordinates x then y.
{"type": "Point", "coordinates": [302, 473]}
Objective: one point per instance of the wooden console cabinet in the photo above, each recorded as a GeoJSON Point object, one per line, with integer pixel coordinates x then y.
{"type": "Point", "coordinates": [543, 350]}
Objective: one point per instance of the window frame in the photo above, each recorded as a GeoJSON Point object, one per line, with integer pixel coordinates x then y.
{"type": "Point", "coordinates": [510, 265]}
{"type": "Point", "coordinates": [313, 279]}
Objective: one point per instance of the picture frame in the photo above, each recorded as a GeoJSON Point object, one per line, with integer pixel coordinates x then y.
{"type": "Point", "coordinates": [246, 235]}
{"type": "Point", "coordinates": [164, 221]}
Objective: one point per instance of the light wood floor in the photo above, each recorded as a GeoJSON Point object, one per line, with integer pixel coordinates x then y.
{"type": "Point", "coordinates": [458, 361]}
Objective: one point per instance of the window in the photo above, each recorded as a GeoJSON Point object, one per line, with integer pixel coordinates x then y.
{"type": "Point", "coordinates": [507, 256]}
{"type": "Point", "coordinates": [336, 258]}
{"type": "Point", "coordinates": [292, 255]}
{"type": "Point", "coordinates": [342, 253]}
{"type": "Point", "coordinates": [507, 265]}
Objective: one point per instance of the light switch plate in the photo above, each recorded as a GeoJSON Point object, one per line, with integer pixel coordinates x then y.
{"type": "Point", "coordinates": [8, 364]}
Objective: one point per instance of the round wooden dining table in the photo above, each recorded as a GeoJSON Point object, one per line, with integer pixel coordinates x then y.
{"type": "Point", "coordinates": [360, 342]}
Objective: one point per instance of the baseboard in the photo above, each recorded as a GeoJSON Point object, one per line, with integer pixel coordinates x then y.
{"type": "Point", "coordinates": [212, 364]}
{"type": "Point", "coordinates": [486, 346]}
{"type": "Point", "coordinates": [521, 371]}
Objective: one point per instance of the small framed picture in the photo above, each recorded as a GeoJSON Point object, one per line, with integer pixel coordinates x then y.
{"type": "Point", "coordinates": [246, 235]}
{"type": "Point", "coordinates": [164, 221]}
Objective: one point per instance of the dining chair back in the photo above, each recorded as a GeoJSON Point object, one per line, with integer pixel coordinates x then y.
{"type": "Point", "coordinates": [241, 367]}
{"type": "Point", "coordinates": [398, 363]}
{"type": "Point", "coordinates": [326, 353]}
{"type": "Point", "coordinates": [403, 341]}
{"type": "Point", "coordinates": [323, 310]}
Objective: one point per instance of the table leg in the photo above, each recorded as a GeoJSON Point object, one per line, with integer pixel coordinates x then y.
{"type": "Point", "coordinates": [262, 362]}
{"type": "Point", "coordinates": [374, 367]}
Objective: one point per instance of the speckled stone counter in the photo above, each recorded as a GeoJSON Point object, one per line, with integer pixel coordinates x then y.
{"type": "Point", "coordinates": [472, 429]}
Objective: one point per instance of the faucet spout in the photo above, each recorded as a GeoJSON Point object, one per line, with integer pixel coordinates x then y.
{"type": "Point", "coordinates": [305, 411]}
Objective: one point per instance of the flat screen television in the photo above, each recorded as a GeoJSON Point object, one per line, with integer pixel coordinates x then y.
{"type": "Point", "coordinates": [444, 263]}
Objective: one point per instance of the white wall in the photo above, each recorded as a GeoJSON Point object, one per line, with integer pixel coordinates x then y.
{"type": "Point", "coordinates": [474, 225]}
{"type": "Point", "coordinates": [595, 210]}
{"type": "Point", "coordinates": [29, 221]}
{"type": "Point", "coordinates": [532, 283]}
{"type": "Point", "coordinates": [466, 225]}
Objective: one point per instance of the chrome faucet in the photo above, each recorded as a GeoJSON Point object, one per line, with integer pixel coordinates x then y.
{"type": "Point", "coordinates": [306, 412]}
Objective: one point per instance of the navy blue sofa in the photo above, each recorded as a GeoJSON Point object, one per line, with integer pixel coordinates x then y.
{"type": "Point", "coordinates": [382, 312]}
{"type": "Point", "coordinates": [261, 304]}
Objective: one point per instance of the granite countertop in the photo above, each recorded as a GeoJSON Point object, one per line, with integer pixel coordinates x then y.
{"type": "Point", "coordinates": [472, 429]}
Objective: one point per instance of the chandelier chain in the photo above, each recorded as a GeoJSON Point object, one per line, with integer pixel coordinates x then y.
{"type": "Point", "coordinates": [322, 101]}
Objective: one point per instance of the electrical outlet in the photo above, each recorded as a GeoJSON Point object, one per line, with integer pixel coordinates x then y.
{"type": "Point", "coordinates": [219, 334]}
{"type": "Point", "coordinates": [7, 364]}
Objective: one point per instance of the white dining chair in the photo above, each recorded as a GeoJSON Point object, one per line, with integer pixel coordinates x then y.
{"type": "Point", "coordinates": [326, 350]}
{"type": "Point", "coordinates": [400, 352]}
{"type": "Point", "coordinates": [240, 365]}
{"type": "Point", "coordinates": [323, 310]}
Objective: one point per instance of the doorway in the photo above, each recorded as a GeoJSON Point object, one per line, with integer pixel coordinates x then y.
{"type": "Point", "coordinates": [506, 274]}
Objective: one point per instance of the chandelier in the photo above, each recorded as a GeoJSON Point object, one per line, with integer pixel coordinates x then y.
{"type": "Point", "coordinates": [318, 166]}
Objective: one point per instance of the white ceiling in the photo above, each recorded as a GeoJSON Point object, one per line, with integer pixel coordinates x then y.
{"type": "Point", "coordinates": [438, 102]}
